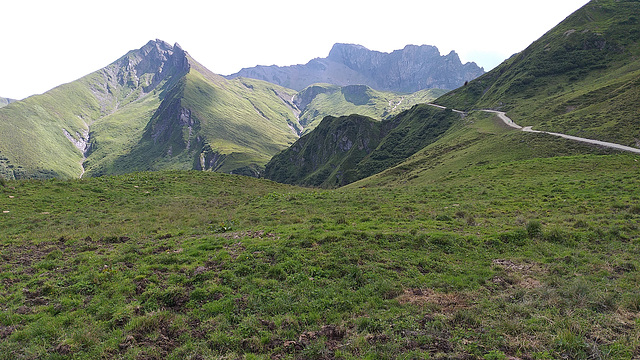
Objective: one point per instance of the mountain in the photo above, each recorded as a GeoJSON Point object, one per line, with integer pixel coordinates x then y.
{"type": "Point", "coordinates": [345, 149]}
{"type": "Point", "coordinates": [411, 69]}
{"type": "Point", "coordinates": [581, 78]}
{"type": "Point", "coordinates": [154, 108]}
{"type": "Point", "coordinates": [5, 101]}
{"type": "Point", "coordinates": [317, 101]}
{"type": "Point", "coordinates": [157, 108]}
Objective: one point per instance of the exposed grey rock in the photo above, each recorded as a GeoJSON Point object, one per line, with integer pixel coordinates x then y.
{"type": "Point", "coordinates": [5, 101]}
{"type": "Point", "coordinates": [408, 70]}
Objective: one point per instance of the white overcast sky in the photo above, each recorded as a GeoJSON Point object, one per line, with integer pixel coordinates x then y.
{"type": "Point", "coordinates": [47, 43]}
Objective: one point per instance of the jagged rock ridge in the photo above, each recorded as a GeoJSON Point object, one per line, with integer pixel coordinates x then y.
{"type": "Point", "coordinates": [408, 70]}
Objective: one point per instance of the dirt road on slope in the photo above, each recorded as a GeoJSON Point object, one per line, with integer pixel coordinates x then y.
{"type": "Point", "coordinates": [512, 124]}
{"type": "Point", "coordinates": [507, 120]}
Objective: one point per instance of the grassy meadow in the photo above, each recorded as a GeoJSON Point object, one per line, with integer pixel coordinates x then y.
{"type": "Point", "coordinates": [533, 259]}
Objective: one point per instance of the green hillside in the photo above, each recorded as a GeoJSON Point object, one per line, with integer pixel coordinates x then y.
{"type": "Point", "coordinates": [531, 259]}
{"type": "Point", "coordinates": [478, 142]}
{"type": "Point", "coordinates": [581, 78]}
{"type": "Point", "coordinates": [34, 143]}
{"type": "Point", "coordinates": [155, 108]}
{"type": "Point", "coordinates": [206, 122]}
{"type": "Point", "coordinates": [320, 100]}
{"type": "Point", "coordinates": [345, 149]}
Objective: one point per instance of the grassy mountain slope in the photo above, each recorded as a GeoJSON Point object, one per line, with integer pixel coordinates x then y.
{"type": "Point", "coordinates": [154, 108]}
{"type": "Point", "coordinates": [526, 259]}
{"type": "Point", "coordinates": [206, 122]}
{"type": "Point", "coordinates": [480, 141]}
{"type": "Point", "coordinates": [580, 78]}
{"type": "Point", "coordinates": [49, 134]}
{"type": "Point", "coordinates": [345, 149]}
{"type": "Point", "coordinates": [320, 100]}
{"type": "Point", "coordinates": [327, 155]}
{"type": "Point", "coordinates": [34, 143]}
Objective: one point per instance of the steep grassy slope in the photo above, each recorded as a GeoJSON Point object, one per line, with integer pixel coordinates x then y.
{"type": "Point", "coordinates": [320, 100]}
{"type": "Point", "coordinates": [206, 122]}
{"type": "Point", "coordinates": [479, 141]}
{"type": "Point", "coordinates": [48, 135]}
{"type": "Point", "coordinates": [327, 155]}
{"type": "Point", "coordinates": [34, 142]}
{"type": "Point", "coordinates": [342, 150]}
{"type": "Point", "coordinates": [154, 108]}
{"type": "Point", "coordinates": [529, 259]}
{"type": "Point", "coordinates": [580, 78]}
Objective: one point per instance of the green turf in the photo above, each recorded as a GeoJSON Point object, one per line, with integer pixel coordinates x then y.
{"type": "Point", "coordinates": [530, 259]}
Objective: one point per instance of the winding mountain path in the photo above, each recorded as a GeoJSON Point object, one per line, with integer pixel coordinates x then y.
{"type": "Point", "coordinates": [510, 122]}
{"type": "Point", "coordinates": [507, 120]}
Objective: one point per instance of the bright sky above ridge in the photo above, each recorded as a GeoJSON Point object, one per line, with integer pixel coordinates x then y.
{"type": "Point", "coordinates": [48, 43]}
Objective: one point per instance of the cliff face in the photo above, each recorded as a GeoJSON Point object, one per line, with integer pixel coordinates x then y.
{"type": "Point", "coordinates": [411, 69]}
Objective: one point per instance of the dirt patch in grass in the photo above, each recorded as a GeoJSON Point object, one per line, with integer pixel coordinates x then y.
{"type": "Point", "coordinates": [258, 234]}
{"type": "Point", "coordinates": [6, 331]}
{"type": "Point", "coordinates": [520, 274]}
{"type": "Point", "coordinates": [447, 302]}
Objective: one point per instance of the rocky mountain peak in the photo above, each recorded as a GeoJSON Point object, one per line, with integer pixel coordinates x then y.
{"type": "Point", "coordinates": [147, 67]}
{"type": "Point", "coordinates": [342, 53]}
{"type": "Point", "coordinates": [413, 68]}
{"type": "Point", "coordinates": [158, 56]}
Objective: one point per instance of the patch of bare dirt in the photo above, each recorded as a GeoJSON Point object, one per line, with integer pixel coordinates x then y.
{"type": "Point", "coordinates": [333, 335]}
{"type": "Point", "coordinates": [519, 274]}
{"type": "Point", "coordinates": [258, 234]}
{"type": "Point", "coordinates": [6, 331]}
{"type": "Point", "coordinates": [164, 338]}
{"type": "Point", "coordinates": [63, 349]}
{"type": "Point", "coordinates": [448, 302]}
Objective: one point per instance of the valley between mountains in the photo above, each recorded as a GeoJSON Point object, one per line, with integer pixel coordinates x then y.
{"type": "Point", "coordinates": [156, 210]}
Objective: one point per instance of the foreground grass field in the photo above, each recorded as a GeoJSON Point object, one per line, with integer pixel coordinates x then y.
{"type": "Point", "coordinates": [535, 260]}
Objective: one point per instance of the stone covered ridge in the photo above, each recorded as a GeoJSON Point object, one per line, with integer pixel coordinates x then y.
{"type": "Point", "coordinates": [408, 70]}
{"type": "Point", "coordinates": [157, 58]}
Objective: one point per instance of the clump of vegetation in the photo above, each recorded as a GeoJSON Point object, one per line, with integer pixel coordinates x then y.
{"type": "Point", "coordinates": [534, 229]}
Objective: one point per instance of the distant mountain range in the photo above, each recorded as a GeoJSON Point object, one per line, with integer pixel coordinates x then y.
{"type": "Point", "coordinates": [157, 108]}
{"type": "Point", "coordinates": [411, 69]}
{"type": "Point", "coordinates": [5, 101]}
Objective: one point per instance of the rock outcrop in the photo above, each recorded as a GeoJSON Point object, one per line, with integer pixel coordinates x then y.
{"type": "Point", "coordinates": [408, 70]}
{"type": "Point", "coordinates": [5, 101]}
